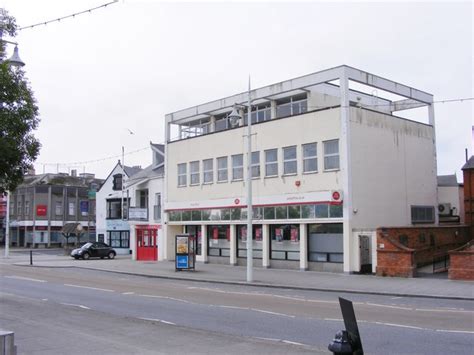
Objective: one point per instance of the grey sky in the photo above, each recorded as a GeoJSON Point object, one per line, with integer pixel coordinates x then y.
{"type": "Point", "coordinates": [124, 67]}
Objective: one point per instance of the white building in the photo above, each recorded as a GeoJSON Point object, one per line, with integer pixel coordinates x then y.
{"type": "Point", "coordinates": [329, 164]}
{"type": "Point", "coordinates": [137, 231]}
{"type": "Point", "coordinates": [451, 199]}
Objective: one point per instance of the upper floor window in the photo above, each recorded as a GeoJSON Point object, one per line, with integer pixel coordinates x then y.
{"type": "Point", "coordinates": [117, 182]}
{"type": "Point", "coordinates": [19, 206]}
{"type": "Point", "coordinates": [289, 160]}
{"type": "Point", "coordinates": [194, 171]}
{"type": "Point", "coordinates": [260, 113]}
{"type": "Point", "coordinates": [113, 209]}
{"type": "Point", "coordinates": [182, 174]}
{"type": "Point", "coordinates": [207, 171]}
{"type": "Point", "coordinates": [331, 154]}
{"type": "Point", "coordinates": [422, 214]}
{"type": "Point", "coordinates": [291, 106]}
{"type": "Point", "coordinates": [255, 164]}
{"type": "Point", "coordinates": [27, 208]}
{"type": "Point", "coordinates": [58, 208]}
{"type": "Point", "coordinates": [271, 162]}
{"type": "Point", "coordinates": [237, 167]}
{"type": "Point", "coordinates": [310, 158]}
{"type": "Point", "coordinates": [71, 207]}
{"type": "Point", "coordinates": [222, 174]}
{"type": "Point", "coordinates": [222, 122]}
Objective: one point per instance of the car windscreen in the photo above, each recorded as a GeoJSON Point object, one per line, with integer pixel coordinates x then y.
{"type": "Point", "coordinates": [87, 245]}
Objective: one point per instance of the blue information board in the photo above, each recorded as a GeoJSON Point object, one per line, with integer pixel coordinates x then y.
{"type": "Point", "coordinates": [182, 261]}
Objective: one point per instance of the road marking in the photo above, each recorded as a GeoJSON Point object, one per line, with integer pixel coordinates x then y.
{"type": "Point", "coordinates": [291, 342]}
{"type": "Point", "coordinates": [270, 339]}
{"type": "Point", "coordinates": [44, 299]}
{"type": "Point", "coordinates": [158, 320]}
{"type": "Point", "coordinates": [442, 310]}
{"type": "Point", "coordinates": [455, 331]}
{"type": "Point", "coordinates": [165, 297]}
{"type": "Point", "coordinates": [274, 313]}
{"type": "Point", "coordinates": [387, 306]}
{"type": "Point", "coordinates": [333, 319]}
{"type": "Point", "coordinates": [90, 288]}
{"type": "Point", "coordinates": [75, 305]}
{"type": "Point", "coordinates": [128, 293]}
{"type": "Point", "coordinates": [24, 278]}
{"type": "Point", "coordinates": [290, 298]}
{"type": "Point", "coordinates": [232, 307]}
{"type": "Point", "coordinates": [395, 298]}
{"type": "Point", "coordinates": [401, 325]}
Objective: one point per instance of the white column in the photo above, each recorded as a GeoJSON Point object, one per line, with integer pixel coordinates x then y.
{"type": "Point", "coordinates": [204, 252]}
{"type": "Point", "coordinates": [345, 159]}
{"type": "Point", "coordinates": [303, 247]}
{"type": "Point", "coordinates": [233, 245]}
{"type": "Point", "coordinates": [273, 109]}
{"type": "Point", "coordinates": [7, 227]}
{"type": "Point", "coordinates": [265, 246]}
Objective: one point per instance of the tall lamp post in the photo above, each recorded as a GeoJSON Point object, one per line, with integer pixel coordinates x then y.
{"type": "Point", "coordinates": [13, 61]}
{"type": "Point", "coordinates": [234, 118]}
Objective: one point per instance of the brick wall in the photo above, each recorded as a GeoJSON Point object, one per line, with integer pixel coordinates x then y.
{"type": "Point", "coordinates": [462, 263]}
{"type": "Point", "coordinates": [400, 250]}
{"type": "Point", "coordinates": [468, 175]}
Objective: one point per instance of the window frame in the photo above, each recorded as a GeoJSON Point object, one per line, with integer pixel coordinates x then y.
{"type": "Point", "coordinates": [422, 221]}
{"type": "Point", "coordinates": [326, 155]}
{"type": "Point", "coordinates": [224, 169]}
{"type": "Point", "coordinates": [237, 168]}
{"type": "Point", "coordinates": [254, 165]}
{"type": "Point", "coordinates": [267, 163]}
{"type": "Point", "coordinates": [206, 172]}
{"type": "Point", "coordinates": [194, 174]}
{"type": "Point", "coordinates": [310, 157]}
{"type": "Point", "coordinates": [182, 175]}
{"type": "Point", "coordinates": [288, 161]}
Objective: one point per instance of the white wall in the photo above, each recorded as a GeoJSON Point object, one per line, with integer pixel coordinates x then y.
{"type": "Point", "coordinates": [452, 195]}
{"type": "Point", "coordinates": [278, 133]}
{"type": "Point", "coordinates": [393, 167]}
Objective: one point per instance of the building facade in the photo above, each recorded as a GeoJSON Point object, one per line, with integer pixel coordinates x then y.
{"type": "Point", "coordinates": [137, 229]}
{"type": "Point", "coordinates": [451, 199]}
{"type": "Point", "coordinates": [329, 165]}
{"type": "Point", "coordinates": [43, 204]}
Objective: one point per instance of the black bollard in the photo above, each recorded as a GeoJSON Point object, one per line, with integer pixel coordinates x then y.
{"type": "Point", "coordinates": [31, 257]}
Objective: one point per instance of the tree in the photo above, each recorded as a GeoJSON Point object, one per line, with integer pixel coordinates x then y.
{"type": "Point", "coordinates": [18, 116]}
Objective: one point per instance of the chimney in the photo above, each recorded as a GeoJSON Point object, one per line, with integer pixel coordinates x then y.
{"type": "Point", "coordinates": [74, 173]}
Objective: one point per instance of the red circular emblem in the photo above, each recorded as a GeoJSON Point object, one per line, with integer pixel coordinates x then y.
{"type": "Point", "coordinates": [236, 201]}
{"type": "Point", "coordinates": [336, 195]}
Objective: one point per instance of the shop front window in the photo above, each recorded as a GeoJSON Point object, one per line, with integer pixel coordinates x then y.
{"type": "Point", "coordinates": [195, 231]}
{"type": "Point", "coordinates": [218, 237]}
{"type": "Point", "coordinates": [257, 235]}
{"type": "Point", "coordinates": [325, 242]}
{"type": "Point", "coordinates": [285, 242]}
{"type": "Point", "coordinates": [119, 239]}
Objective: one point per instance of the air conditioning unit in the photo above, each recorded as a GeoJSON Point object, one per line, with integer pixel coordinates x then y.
{"type": "Point", "coordinates": [444, 209]}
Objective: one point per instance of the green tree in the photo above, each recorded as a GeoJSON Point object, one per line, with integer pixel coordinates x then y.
{"type": "Point", "coordinates": [18, 116]}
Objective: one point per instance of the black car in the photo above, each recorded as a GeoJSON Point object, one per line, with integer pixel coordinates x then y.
{"type": "Point", "coordinates": [94, 250]}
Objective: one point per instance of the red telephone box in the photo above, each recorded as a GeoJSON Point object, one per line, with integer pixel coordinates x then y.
{"type": "Point", "coordinates": [147, 242]}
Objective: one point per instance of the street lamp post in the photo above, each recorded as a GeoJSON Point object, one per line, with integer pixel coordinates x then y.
{"type": "Point", "coordinates": [7, 227]}
{"type": "Point", "coordinates": [234, 118]}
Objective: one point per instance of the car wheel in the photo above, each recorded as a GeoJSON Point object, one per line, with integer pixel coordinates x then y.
{"type": "Point", "coordinates": [111, 255]}
{"type": "Point", "coordinates": [101, 257]}
{"type": "Point", "coordinates": [76, 257]}
{"type": "Point", "coordinates": [86, 256]}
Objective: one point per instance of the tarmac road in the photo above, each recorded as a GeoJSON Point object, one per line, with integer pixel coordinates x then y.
{"type": "Point", "coordinates": [117, 311]}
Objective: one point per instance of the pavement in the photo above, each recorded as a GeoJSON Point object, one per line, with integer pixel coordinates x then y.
{"type": "Point", "coordinates": [275, 278]}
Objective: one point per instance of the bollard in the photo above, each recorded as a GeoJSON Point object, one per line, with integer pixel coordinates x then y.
{"type": "Point", "coordinates": [31, 257]}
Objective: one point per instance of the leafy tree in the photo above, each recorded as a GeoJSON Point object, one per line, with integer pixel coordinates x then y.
{"type": "Point", "coordinates": [18, 116]}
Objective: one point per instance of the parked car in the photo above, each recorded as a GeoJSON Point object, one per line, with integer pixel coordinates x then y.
{"type": "Point", "coordinates": [94, 250]}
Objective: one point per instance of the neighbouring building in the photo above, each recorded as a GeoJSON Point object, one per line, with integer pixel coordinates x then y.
{"type": "Point", "coordinates": [450, 199]}
{"type": "Point", "coordinates": [138, 230]}
{"type": "Point", "coordinates": [43, 204]}
{"type": "Point", "coordinates": [330, 163]}
{"type": "Point", "coordinates": [468, 175]}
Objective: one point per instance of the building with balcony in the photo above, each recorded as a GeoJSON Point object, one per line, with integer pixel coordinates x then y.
{"type": "Point", "coordinates": [134, 228]}
{"type": "Point", "coordinates": [43, 204]}
{"type": "Point", "coordinates": [331, 161]}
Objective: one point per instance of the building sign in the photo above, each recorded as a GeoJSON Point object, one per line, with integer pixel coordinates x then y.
{"type": "Point", "coordinates": [84, 206]}
{"type": "Point", "coordinates": [138, 213]}
{"type": "Point", "coordinates": [41, 210]}
{"type": "Point", "coordinates": [117, 224]}
{"type": "Point", "coordinates": [182, 261]}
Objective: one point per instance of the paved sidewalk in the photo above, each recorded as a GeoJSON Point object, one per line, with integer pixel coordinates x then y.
{"type": "Point", "coordinates": [310, 280]}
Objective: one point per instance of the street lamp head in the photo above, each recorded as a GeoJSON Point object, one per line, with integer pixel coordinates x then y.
{"type": "Point", "coordinates": [234, 116]}
{"type": "Point", "coordinates": [15, 59]}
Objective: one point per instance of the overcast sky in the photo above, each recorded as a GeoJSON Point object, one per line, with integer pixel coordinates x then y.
{"type": "Point", "coordinates": [124, 67]}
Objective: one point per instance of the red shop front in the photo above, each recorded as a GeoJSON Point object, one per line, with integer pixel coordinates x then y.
{"type": "Point", "coordinates": [147, 242]}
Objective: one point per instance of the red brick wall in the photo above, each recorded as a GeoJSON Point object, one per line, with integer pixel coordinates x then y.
{"type": "Point", "coordinates": [400, 250]}
{"type": "Point", "coordinates": [468, 176]}
{"type": "Point", "coordinates": [462, 264]}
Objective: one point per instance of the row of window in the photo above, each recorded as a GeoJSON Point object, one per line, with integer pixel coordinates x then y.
{"type": "Point", "coordinates": [58, 208]}
{"type": "Point", "coordinates": [322, 210]}
{"type": "Point", "coordinates": [309, 153]}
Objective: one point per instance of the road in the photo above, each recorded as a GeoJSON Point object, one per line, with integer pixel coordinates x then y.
{"type": "Point", "coordinates": [53, 310]}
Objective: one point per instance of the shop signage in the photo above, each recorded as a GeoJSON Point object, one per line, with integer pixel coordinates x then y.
{"type": "Point", "coordinates": [41, 210]}
{"type": "Point", "coordinates": [117, 224]}
{"type": "Point", "coordinates": [84, 206]}
{"type": "Point", "coordinates": [182, 261]}
{"type": "Point", "coordinates": [185, 252]}
{"type": "Point", "coordinates": [138, 214]}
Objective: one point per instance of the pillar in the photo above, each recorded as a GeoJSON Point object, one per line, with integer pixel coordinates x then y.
{"type": "Point", "coordinates": [233, 245]}
{"type": "Point", "coordinates": [205, 257]}
{"type": "Point", "coordinates": [265, 246]}
{"type": "Point", "coordinates": [303, 247]}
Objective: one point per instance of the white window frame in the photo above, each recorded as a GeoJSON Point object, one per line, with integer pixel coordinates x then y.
{"type": "Point", "coordinates": [237, 168]}
{"type": "Point", "coordinates": [223, 169]}
{"type": "Point", "coordinates": [208, 172]}
{"type": "Point", "coordinates": [287, 162]}
{"type": "Point", "coordinates": [255, 165]}
{"type": "Point", "coordinates": [182, 175]}
{"type": "Point", "coordinates": [310, 157]}
{"type": "Point", "coordinates": [326, 155]}
{"type": "Point", "coordinates": [270, 163]}
{"type": "Point", "coordinates": [194, 173]}
{"type": "Point", "coordinates": [60, 205]}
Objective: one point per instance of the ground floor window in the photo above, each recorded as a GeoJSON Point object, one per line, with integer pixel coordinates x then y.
{"type": "Point", "coordinates": [218, 237]}
{"type": "Point", "coordinates": [119, 239]}
{"type": "Point", "coordinates": [285, 242]}
{"type": "Point", "coordinates": [257, 236]}
{"type": "Point", "coordinates": [325, 242]}
{"type": "Point", "coordinates": [196, 232]}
